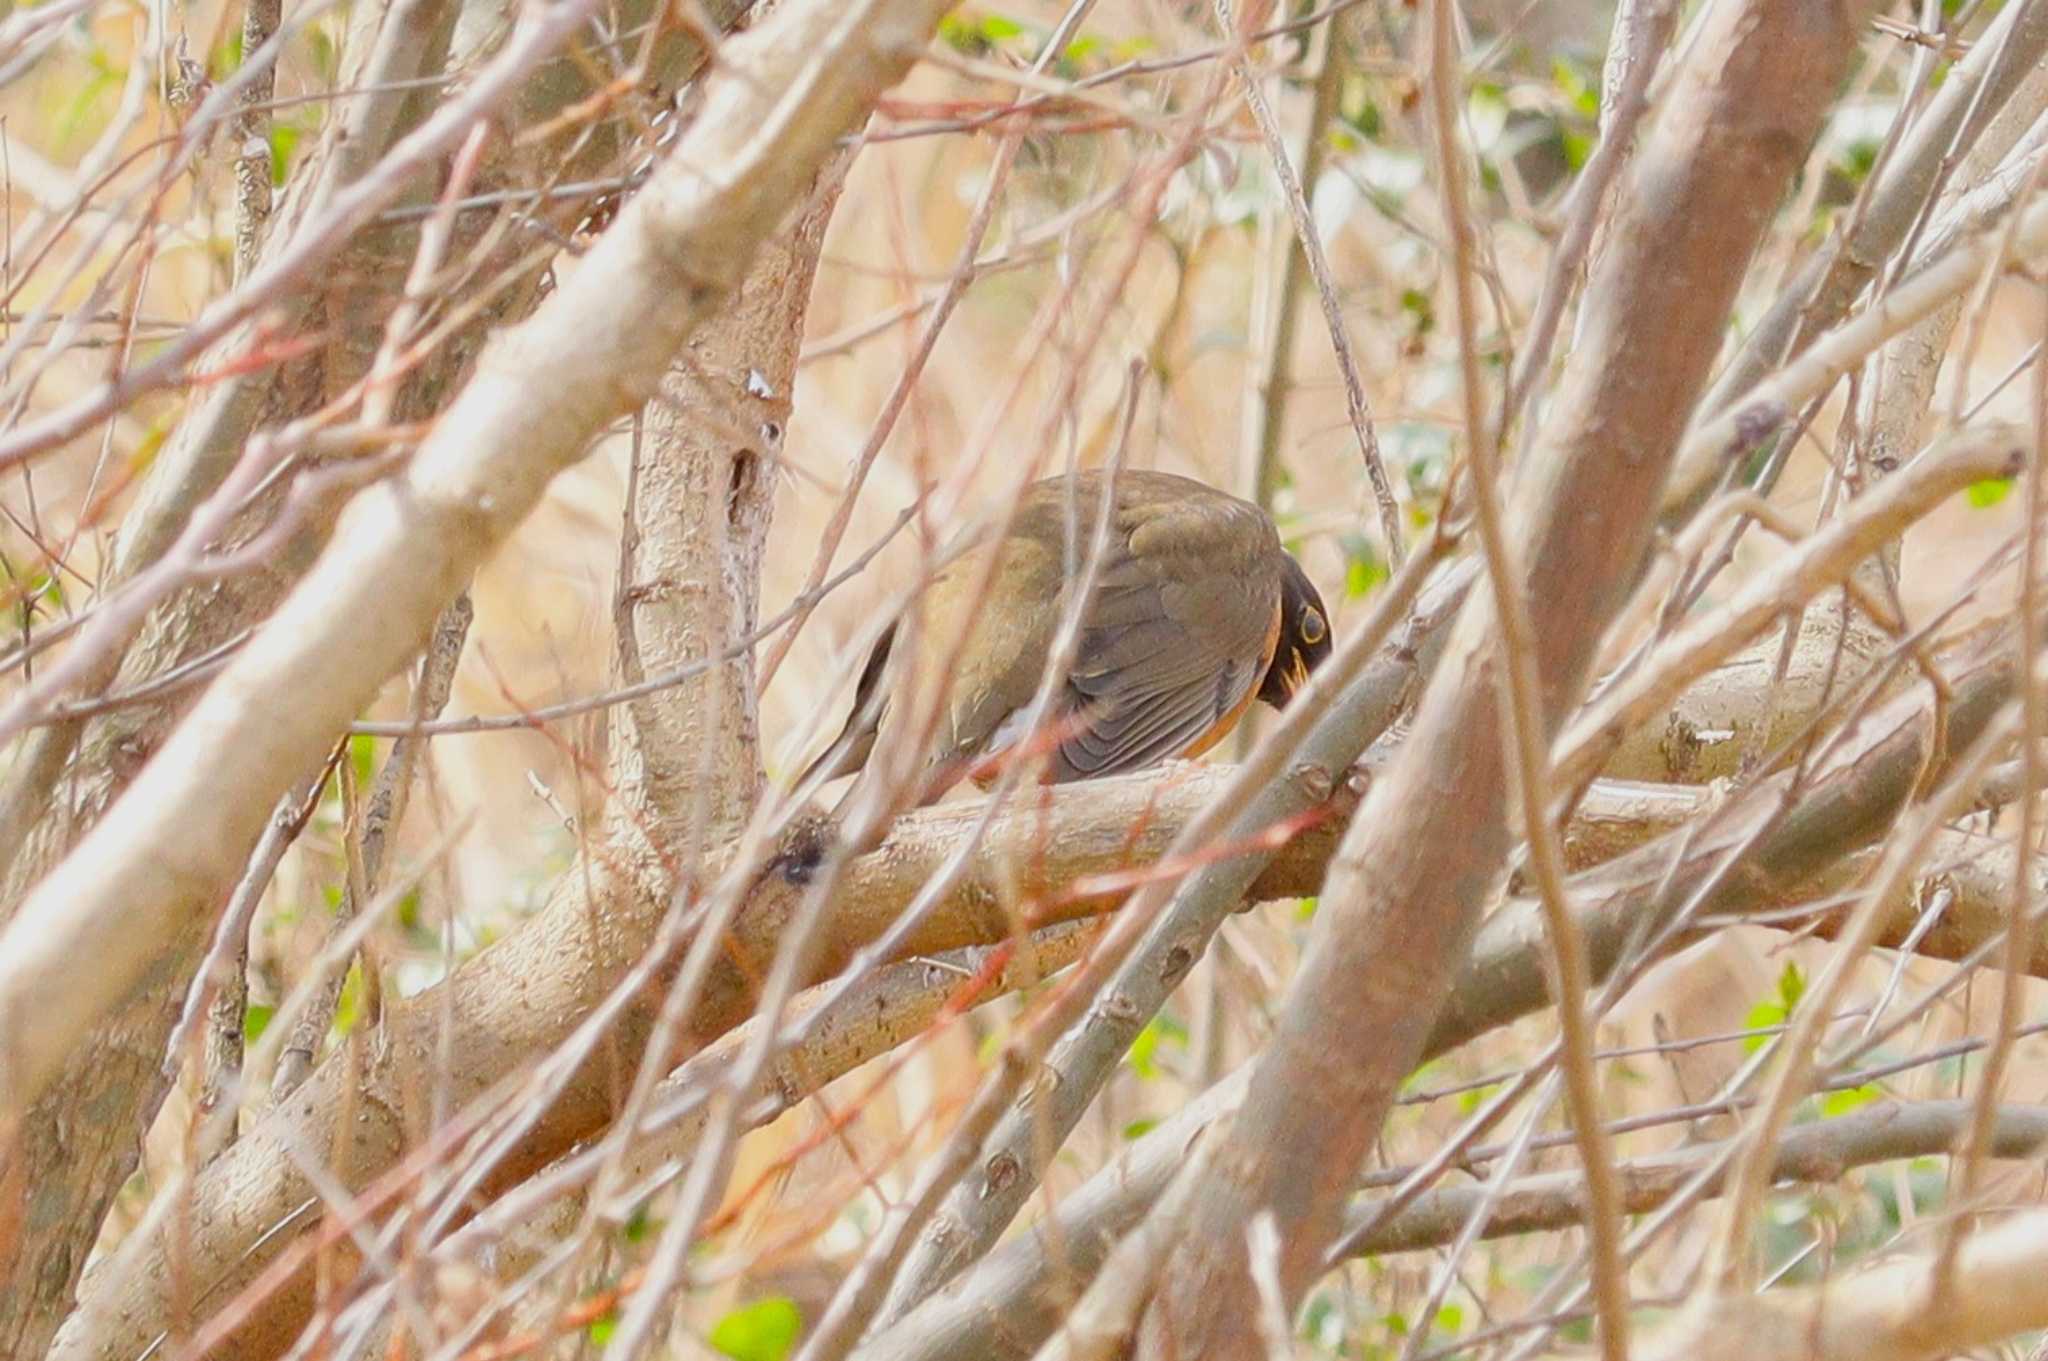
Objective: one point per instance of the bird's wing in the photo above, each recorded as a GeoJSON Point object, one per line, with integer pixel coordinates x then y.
{"type": "Point", "coordinates": [1173, 639]}
{"type": "Point", "coordinates": [849, 751]}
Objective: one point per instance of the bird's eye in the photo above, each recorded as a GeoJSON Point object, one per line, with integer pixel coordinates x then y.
{"type": "Point", "coordinates": [1312, 626]}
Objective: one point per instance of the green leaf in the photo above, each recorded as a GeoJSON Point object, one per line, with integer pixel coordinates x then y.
{"type": "Point", "coordinates": [255, 1020]}
{"type": "Point", "coordinates": [348, 1008]}
{"type": "Point", "coordinates": [1989, 492]}
{"type": "Point", "coordinates": [1143, 1057]}
{"type": "Point", "coordinates": [961, 34]}
{"type": "Point", "coordinates": [1858, 159]}
{"type": "Point", "coordinates": [1417, 304]}
{"type": "Point", "coordinates": [1305, 908]}
{"type": "Point", "coordinates": [1578, 147]}
{"type": "Point", "coordinates": [1762, 1016]}
{"type": "Point", "coordinates": [1140, 1057]}
{"type": "Point", "coordinates": [1791, 985]}
{"type": "Point", "coordinates": [1775, 1011]}
{"type": "Point", "coordinates": [1577, 86]}
{"type": "Point", "coordinates": [284, 140]}
{"type": "Point", "coordinates": [765, 1330]}
{"type": "Point", "coordinates": [1362, 574]}
{"type": "Point", "coordinates": [362, 754]}
{"type": "Point", "coordinates": [1469, 1101]}
{"type": "Point", "coordinates": [1138, 1129]}
{"type": "Point", "coordinates": [600, 1329]}
{"type": "Point", "coordinates": [1848, 1099]}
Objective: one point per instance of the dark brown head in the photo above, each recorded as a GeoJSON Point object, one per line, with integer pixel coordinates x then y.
{"type": "Point", "coordinates": [1304, 637]}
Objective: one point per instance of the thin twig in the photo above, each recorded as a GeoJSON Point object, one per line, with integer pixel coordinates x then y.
{"type": "Point", "coordinates": [381, 819]}
{"type": "Point", "coordinates": [1326, 288]}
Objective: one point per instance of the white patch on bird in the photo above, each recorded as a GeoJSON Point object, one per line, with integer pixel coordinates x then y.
{"type": "Point", "coordinates": [1009, 732]}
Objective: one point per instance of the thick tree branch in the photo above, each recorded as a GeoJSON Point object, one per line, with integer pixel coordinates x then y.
{"type": "Point", "coordinates": [1888, 1313]}
{"type": "Point", "coordinates": [165, 852]}
{"type": "Point", "coordinates": [1074, 853]}
{"type": "Point", "coordinates": [72, 769]}
{"type": "Point", "coordinates": [1785, 855]}
{"type": "Point", "coordinates": [1018, 1294]}
{"type": "Point", "coordinates": [1406, 893]}
{"type": "Point", "coordinates": [1821, 293]}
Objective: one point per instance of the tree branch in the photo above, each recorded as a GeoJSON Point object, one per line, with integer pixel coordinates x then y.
{"type": "Point", "coordinates": [1888, 1313]}
{"type": "Point", "coordinates": [164, 852]}
{"type": "Point", "coordinates": [1406, 892]}
{"type": "Point", "coordinates": [1783, 854]}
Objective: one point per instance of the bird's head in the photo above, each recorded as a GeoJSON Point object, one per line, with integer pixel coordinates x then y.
{"type": "Point", "coordinates": [1304, 637]}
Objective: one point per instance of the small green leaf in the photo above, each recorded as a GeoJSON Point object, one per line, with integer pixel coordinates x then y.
{"type": "Point", "coordinates": [765, 1330]}
{"type": "Point", "coordinates": [600, 1329]}
{"type": "Point", "coordinates": [1144, 1053]}
{"type": "Point", "coordinates": [1578, 147]}
{"type": "Point", "coordinates": [1775, 1011]}
{"type": "Point", "coordinates": [255, 1020]}
{"type": "Point", "coordinates": [1362, 574]}
{"type": "Point", "coordinates": [362, 754]}
{"type": "Point", "coordinates": [1577, 86]}
{"type": "Point", "coordinates": [1989, 492]}
{"type": "Point", "coordinates": [1418, 305]}
{"type": "Point", "coordinates": [1469, 1101]}
{"type": "Point", "coordinates": [284, 140]}
{"type": "Point", "coordinates": [1762, 1016]}
{"type": "Point", "coordinates": [1848, 1099]}
{"type": "Point", "coordinates": [1305, 908]}
{"type": "Point", "coordinates": [1791, 985]}
{"type": "Point", "coordinates": [348, 1008]}
{"type": "Point", "coordinates": [958, 33]}
{"type": "Point", "coordinates": [1138, 1129]}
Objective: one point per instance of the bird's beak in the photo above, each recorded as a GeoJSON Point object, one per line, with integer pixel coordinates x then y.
{"type": "Point", "coordinates": [1297, 674]}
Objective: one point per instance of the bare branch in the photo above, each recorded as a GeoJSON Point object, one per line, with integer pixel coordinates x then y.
{"type": "Point", "coordinates": [1782, 855]}
{"type": "Point", "coordinates": [381, 820]}
{"type": "Point", "coordinates": [1821, 1152]}
{"type": "Point", "coordinates": [1407, 891]}
{"type": "Point", "coordinates": [1311, 245]}
{"type": "Point", "coordinates": [1822, 292]}
{"type": "Point", "coordinates": [1889, 1313]}
{"type": "Point", "coordinates": [164, 852]}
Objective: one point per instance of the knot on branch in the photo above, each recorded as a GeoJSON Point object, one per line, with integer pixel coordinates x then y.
{"type": "Point", "coordinates": [1754, 424]}
{"type": "Point", "coordinates": [805, 843]}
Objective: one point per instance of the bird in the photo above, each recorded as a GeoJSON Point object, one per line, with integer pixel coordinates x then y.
{"type": "Point", "coordinates": [1197, 610]}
